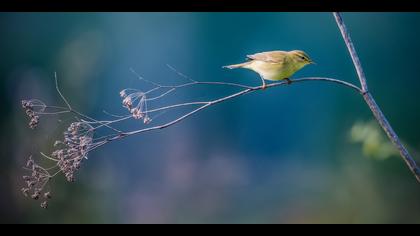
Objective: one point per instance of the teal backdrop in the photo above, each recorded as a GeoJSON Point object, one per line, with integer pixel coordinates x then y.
{"type": "Point", "coordinates": [284, 155]}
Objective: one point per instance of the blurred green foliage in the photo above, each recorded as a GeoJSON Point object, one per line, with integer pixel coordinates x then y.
{"type": "Point", "coordinates": [374, 142]}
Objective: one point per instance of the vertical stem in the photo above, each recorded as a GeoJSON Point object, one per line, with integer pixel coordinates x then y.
{"type": "Point", "coordinates": [379, 116]}
{"type": "Point", "coordinates": [352, 51]}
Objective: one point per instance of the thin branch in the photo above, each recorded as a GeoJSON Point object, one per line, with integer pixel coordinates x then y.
{"type": "Point", "coordinates": [70, 109]}
{"type": "Point", "coordinates": [59, 92]}
{"type": "Point", "coordinates": [207, 104]}
{"type": "Point", "coordinates": [50, 158]}
{"type": "Point", "coordinates": [179, 73]}
{"type": "Point", "coordinates": [53, 113]}
{"type": "Point", "coordinates": [142, 78]}
{"type": "Point", "coordinates": [113, 115]}
{"type": "Point", "coordinates": [352, 51]}
{"type": "Point", "coordinates": [336, 81]}
{"type": "Point", "coordinates": [176, 106]}
{"type": "Point", "coordinates": [97, 121]}
{"type": "Point", "coordinates": [191, 81]}
{"type": "Point", "coordinates": [379, 116]}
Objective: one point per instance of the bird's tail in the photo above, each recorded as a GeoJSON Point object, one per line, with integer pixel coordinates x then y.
{"type": "Point", "coordinates": [237, 65]}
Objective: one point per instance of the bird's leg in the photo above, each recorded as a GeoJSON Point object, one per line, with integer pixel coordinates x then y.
{"type": "Point", "coordinates": [264, 85]}
{"type": "Point", "coordinates": [288, 81]}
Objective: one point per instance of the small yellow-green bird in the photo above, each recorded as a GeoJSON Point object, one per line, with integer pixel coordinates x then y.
{"type": "Point", "coordinates": [275, 65]}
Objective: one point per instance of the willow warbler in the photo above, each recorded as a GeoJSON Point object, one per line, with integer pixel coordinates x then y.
{"type": "Point", "coordinates": [275, 65]}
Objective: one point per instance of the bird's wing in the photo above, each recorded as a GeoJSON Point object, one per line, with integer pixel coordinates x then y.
{"type": "Point", "coordinates": [273, 56]}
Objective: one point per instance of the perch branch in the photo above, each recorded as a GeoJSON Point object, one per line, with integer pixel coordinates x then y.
{"type": "Point", "coordinates": [206, 104]}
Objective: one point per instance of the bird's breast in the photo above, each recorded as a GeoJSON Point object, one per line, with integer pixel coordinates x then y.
{"type": "Point", "coordinates": [271, 71]}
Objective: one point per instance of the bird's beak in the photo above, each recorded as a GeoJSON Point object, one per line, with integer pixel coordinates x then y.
{"type": "Point", "coordinates": [312, 62]}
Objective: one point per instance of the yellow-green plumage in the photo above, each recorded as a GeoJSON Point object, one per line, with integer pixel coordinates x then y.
{"type": "Point", "coordinates": [275, 65]}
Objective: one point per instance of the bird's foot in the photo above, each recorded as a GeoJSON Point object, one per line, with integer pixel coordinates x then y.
{"type": "Point", "coordinates": [289, 82]}
{"type": "Point", "coordinates": [264, 86]}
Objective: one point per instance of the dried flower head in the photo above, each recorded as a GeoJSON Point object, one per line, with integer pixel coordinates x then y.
{"type": "Point", "coordinates": [137, 114]}
{"type": "Point", "coordinates": [25, 191]}
{"type": "Point", "coordinates": [33, 109]}
{"type": "Point", "coordinates": [127, 102]}
{"type": "Point", "coordinates": [47, 195]}
{"type": "Point", "coordinates": [68, 156]}
{"type": "Point", "coordinates": [44, 204]}
{"type": "Point", "coordinates": [123, 94]}
{"type": "Point", "coordinates": [136, 103]}
{"type": "Point", "coordinates": [78, 140]}
{"type": "Point", "coordinates": [147, 120]}
{"type": "Point", "coordinates": [36, 182]}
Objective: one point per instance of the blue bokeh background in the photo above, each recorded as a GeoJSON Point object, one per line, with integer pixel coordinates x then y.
{"type": "Point", "coordinates": [279, 156]}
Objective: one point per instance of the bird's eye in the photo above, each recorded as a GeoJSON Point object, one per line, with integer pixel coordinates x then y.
{"type": "Point", "coordinates": [303, 58]}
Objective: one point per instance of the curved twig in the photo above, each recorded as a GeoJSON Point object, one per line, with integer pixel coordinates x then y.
{"type": "Point", "coordinates": [207, 104]}
{"type": "Point", "coordinates": [59, 92]}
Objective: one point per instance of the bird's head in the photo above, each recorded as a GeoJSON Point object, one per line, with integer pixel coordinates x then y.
{"type": "Point", "coordinates": [300, 58]}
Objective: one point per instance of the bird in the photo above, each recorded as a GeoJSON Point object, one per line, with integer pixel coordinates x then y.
{"type": "Point", "coordinates": [275, 65]}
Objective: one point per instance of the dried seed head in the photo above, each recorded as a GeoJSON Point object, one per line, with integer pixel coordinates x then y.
{"type": "Point", "coordinates": [123, 94]}
{"type": "Point", "coordinates": [30, 183]}
{"type": "Point", "coordinates": [44, 204]}
{"type": "Point", "coordinates": [147, 120]}
{"type": "Point", "coordinates": [77, 142]}
{"type": "Point", "coordinates": [58, 142]}
{"type": "Point", "coordinates": [30, 162]}
{"type": "Point", "coordinates": [25, 191]}
{"type": "Point", "coordinates": [70, 177]}
{"type": "Point", "coordinates": [139, 109]}
{"type": "Point", "coordinates": [33, 123]}
{"type": "Point", "coordinates": [26, 178]}
{"type": "Point", "coordinates": [26, 104]}
{"type": "Point", "coordinates": [137, 114]}
{"type": "Point", "coordinates": [47, 195]}
{"type": "Point", "coordinates": [35, 196]}
{"type": "Point", "coordinates": [127, 102]}
{"type": "Point", "coordinates": [35, 182]}
{"type": "Point", "coordinates": [33, 109]}
{"type": "Point", "coordinates": [30, 113]}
